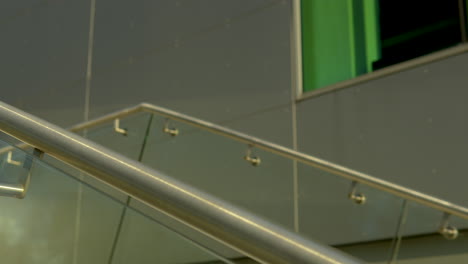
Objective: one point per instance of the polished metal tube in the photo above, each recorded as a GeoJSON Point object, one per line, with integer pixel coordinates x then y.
{"type": "Point", "coordinates": [106, 118]}
{"type": "Point", "coordinates": [353, 175]}
{"type": "Point", "coordinates": [398, 190]}
{"type": "Point", "coordinates": [238, 229]}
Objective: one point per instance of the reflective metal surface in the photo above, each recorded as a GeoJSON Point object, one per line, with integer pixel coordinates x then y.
{"type": "Point", "coordinates": [353, 175]}
{"type": "Point", "coordinates": [252, 236]}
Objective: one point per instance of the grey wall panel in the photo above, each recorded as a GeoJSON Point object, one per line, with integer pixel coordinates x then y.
{"type": "Point", "coordinates": [216, 165]}
{"type": "Point", "coordinates": [274, 125]}
{"type": "Point", "coordinates": [132, 29]}
{"type": "Point", "coordinates": [10, 10]}
{"type": "Point", "coordinates": [44, 59]}
{"type": "Point", "coordinates": [431, 248]}
{"type": "Point", "coordinates": [237, 69]}
{"type": "Point", "coordinates": [409, 128]}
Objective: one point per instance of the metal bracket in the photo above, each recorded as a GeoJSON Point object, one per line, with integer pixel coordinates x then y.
{"type": "Point", "coordinates": [356, 197]}
{"type": "Point", "coordinates": [255, 161]}
{"type": "Point", "coordinates": [170, 130]}
{"type": "Point", "coordinates": [28, 164]}
{"type": "Point", "coordinates": [18, 190]}
{"type": "Point", "coordinates": [118, 129]}
{"type": "Point", "coordinates": [447, 231]}
{"type": "Point", "coordinates": [10, 159]}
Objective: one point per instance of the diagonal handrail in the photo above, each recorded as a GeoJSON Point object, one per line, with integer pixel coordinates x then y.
{"type": "Point", "coordinates": [238, 229]}
{"type": "Point", "coordinates": [353, 175]}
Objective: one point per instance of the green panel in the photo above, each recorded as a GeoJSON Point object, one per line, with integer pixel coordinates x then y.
{"type": "Point", "coordinates": [340, 40]}
{"type": "Point", "coordinates": [326, 39]}
{"type": "Point", "coordinates": [372, 32]}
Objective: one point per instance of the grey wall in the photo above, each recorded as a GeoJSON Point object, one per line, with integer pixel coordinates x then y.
{"type": "Point", "coordinates": [225, 61]}
{"type": "Point", "coordinates": [219, 60]}
{"type": "Point", "coordinates": [44, 46]}
{"type": "Point", "coordinates": [228, 61]}
{"type": "Point", "coordinates": [409, 128]}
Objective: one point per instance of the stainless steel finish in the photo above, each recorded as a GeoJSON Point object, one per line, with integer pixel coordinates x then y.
{"type": "Point", "coordinates": [118, 129]}
{"type": "Point", "coordinates": [296, 91]}
{"type": "Point", "coordinates": [449, 232]}
{"type": "Point", "coordinates": [106, 118]}
{"type": "Point", "coordinates": [89, 124]}
{"type": "Point", "coordinates": [436, 56]}
{"type": "Point", "coordinates": [252, 236]}
{"type": "Point", "coordinates": [170, 130]}
{"type": "Point", "coordinates": [18, 190]}
{"type": "Point", "coordinates": [353, 175]}
{"type": "Point", "coordinates": [356, 197]}
{"type": "Point", "coordinates": [11, 161]}
{"type": "Point", "coordinates": [255, 161]}
{"type": "Point", "coordinates": [12, 190]}
{"type": "Point", "coordinates": [37, 154]}
{"type": "Point", "coordinates": [296, 48]}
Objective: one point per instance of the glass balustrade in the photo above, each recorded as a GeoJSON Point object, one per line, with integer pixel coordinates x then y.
{"type": "Point", "coordinates": [429, 236]}
{"type": "Point", "coordinates": [368, 223]}
{"type": "Point", "coordinates": [125, 136]}
{"type": "Point", "coordinates": [347, 215]}
{"type": "Point", "coordinates": [63, 219]}
{"type": "Point", "coordinates": [253, 179]}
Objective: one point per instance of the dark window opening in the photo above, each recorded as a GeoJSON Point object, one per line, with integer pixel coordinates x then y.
{"type": "Point", "coordinates": [409, 29]}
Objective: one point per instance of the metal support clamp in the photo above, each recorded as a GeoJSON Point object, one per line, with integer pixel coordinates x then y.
{"type": "Point", "coordinates": [118, 129]}
{"type": "Point", "coordinates": [170, 130]}
{"type": "Point", "coordinates": [10, 159]}
{"type": "Point", "coordinates": [28, 164]}
{"type": "Point", "coordinates": [447, 231]}
{"type": "Point", "coordinates": [19, 189]}
{"type": "Point", "coordinates": [356, 197]}
{"type": "Point", "coordinates": [255, 161]}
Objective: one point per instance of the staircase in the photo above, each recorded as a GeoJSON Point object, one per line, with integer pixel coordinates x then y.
{"type": "Point", "coordinates": [68, 216]}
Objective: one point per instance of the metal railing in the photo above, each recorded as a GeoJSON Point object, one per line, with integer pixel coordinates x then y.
{"type": "Point", "coordinates": [354, 176]}
{"type": "Point", "coordinates": [233, 227]}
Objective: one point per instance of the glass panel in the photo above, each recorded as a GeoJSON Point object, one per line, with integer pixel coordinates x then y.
{"type": "Point", "coordinates": [142, 240]}
{"type": "Point", "coordinates": [194, 235]}
{"type": "Point", "coordinates": [216, 165]}
{"type": "Point", "coordinates": [130, 144]}
{"type": "Point", "coordinates": [328, 215]}
{"type": "Point", "coordinates": [13, 175]}
{"type": "Point", "coordinates": [422, 243]}
{"type": "Point", "coordinates": [87, 179]}
{"type": "Point", "coordinates": [54, 223]}
{"type": "Point", "coordinates": [43, 227]}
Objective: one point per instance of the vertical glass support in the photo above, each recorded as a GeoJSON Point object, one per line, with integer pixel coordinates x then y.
{"type": "Point", "coordinates": [399, 233]}
{"type": "Point", "coordinates": [337, 213]}
{"type": "Point", "coordinates": [428, 237]}
{"type": "Point", "coordinates": [128, 200]}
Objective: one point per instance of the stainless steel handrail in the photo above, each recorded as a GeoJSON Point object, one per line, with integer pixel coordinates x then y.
{"type": "Point", "coordinates": [353, 175]}
{"type": "Point", "coordinates": [238, 229]}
